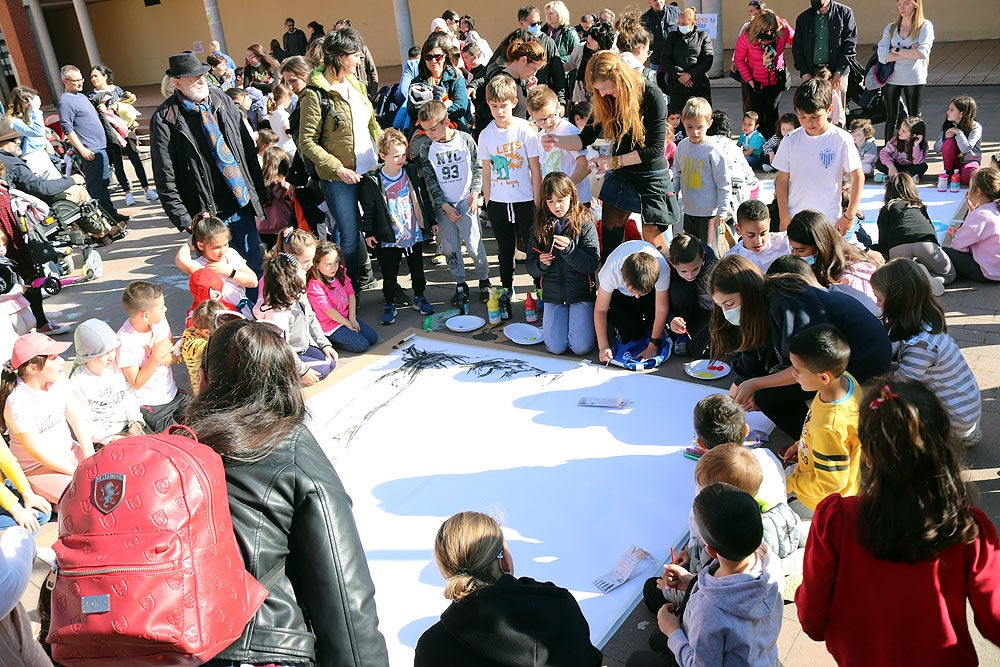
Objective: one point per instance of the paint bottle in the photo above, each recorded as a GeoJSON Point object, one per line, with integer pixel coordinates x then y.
{"type": "Point", "coordinates": [539, 304]}
{"type": "Point", "coordinates": [463, 301]}
{"type": "Point", "coordinates": [942, 182]}
{"type": "Point", "coordinates": [956, 182]}
{"type": "Point", "coordinates": [530, 314]}
{"type": "Point", "coordinates": [504, 304]}
{"type": "Point", "coordinates": [493, 308]}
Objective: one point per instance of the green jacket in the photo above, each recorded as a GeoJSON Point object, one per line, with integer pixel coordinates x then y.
{"type": "Point", "coordinates": [331, 147]}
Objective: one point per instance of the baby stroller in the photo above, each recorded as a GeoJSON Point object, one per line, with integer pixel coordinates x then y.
{"type": "Point", "coordinates": [53, 233]}
{"type": "Point", "coordinates": [870, 101]}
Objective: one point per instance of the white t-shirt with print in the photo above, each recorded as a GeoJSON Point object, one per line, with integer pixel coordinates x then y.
{"type": "Point", "coordinates": [42, 412]}
{"type": "Point", "coordinates": [816, 168]}
{"type": "Point", "coordinates": [232, 291]}
{"type": "Point", "coordinates": [508, 152]}
{"type": "Point", "coordinates": [558, 159]}
{"type": "Point", "coordinates": [610, 276]}
{"type": "Point", "coordinates": [452, 165]}
{"type": "Point", "coordinates": [135, 350]}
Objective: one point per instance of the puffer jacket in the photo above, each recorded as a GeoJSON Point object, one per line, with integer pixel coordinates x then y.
{"type": "Point", "coordinates": [691, 53]}
{"type": "Point", "coordinates": [749, 58]}
{"type": "Point", "coordinates": [294, 526]}
{"type": "Point", "coordinates": [569, 279]}
{"type": "Point", "coordinates": [331, 146]}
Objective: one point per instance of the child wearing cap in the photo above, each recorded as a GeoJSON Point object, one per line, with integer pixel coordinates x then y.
{"type": "Point", "coordinates": [732, 611]}
{"type": "Point", "coordinates": [100, 384]}
{"type": "Point", "coordinates": [38, 408]}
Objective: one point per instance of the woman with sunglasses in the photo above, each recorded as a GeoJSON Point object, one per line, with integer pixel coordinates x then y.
{"type": "Point", "coordinates": [438, 72]}
{"type": "Point", "coordinates": [291, 515]}
{"type": "Point", "coordinates": [495, 618]}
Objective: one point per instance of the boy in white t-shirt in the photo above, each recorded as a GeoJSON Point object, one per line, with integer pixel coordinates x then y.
{"type": "Point", "coordinates": [454, 179]}
{"type": "Point", "coordinates": [146, 353]}
{"type": "Point", "coordinates": [757, 242]}
{"type": "Point", "coordinates": [633, 296]}
{"type": "Point", "coordinates": [819, 154]}
{"type": "Point", "coordinates": [509, 151]}
{"type": "Point", "coordinates": [545, 110]}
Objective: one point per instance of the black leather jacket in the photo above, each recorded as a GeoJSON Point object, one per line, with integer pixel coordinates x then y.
{"type": "Point", "coordinates": [295, 529]}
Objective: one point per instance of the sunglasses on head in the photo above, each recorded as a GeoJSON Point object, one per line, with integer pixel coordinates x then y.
{"type": "Point", "coordinates": [436, 57]}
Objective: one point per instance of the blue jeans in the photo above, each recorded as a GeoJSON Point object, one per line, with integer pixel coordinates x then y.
{"type": "Point", "coordinates": [342, 200]}
{"type": "Point", "coordinates": [347, 339]}
{"type": "Point", "coordinates": [246, 241]}
{"type": "Point", "coordinates": [569, 326]}
{"type": "Point", "coordinates": [7, 521]}
{"type": "Point", "coordinates": [97, 176]}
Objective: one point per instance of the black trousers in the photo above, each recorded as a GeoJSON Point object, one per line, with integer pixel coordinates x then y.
{"type": "Point", "coordinates": [34, 297]}
{"type": "Point", "coordinates": [915, 170]}
{"type": "Point", "coordinates": [765, 103]}
{"type": "Point", "coordinates": [912, 95]}
{"type": "Point", "coordinates": [388, 260]}
{"type": "Point", "coordinates": [785, 406]}
{"type": "Point", "coordinates": [510, 221]}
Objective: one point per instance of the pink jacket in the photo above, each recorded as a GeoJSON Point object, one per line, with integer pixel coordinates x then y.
{"type": "Point", "coordinates": [980, 235]}
{"type": "Point", "coordinates": [749, 57]}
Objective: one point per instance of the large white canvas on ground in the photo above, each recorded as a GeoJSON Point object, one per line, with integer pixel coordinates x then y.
{"type": "Point", "coordinates": [574, 486]}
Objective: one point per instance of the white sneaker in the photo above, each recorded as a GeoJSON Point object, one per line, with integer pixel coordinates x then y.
{"type": "Point", "coordinates": [767, 168]}
{"type": "Point", "coordinates": [129, 199]}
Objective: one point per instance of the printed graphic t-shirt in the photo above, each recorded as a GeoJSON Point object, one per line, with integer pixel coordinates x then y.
{"type": "Point", "coordinates": [507, 152]}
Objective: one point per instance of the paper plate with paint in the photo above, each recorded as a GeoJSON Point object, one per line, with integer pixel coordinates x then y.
{"type": "Point", "coordinates": [523, 334]}
{"type": "Point", "coordinates": [706, 369]}
{"type": "Point", "coordinates": [463, 323]}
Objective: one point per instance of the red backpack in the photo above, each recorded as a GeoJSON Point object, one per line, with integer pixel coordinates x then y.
{"type": "Point", "coordinates": [148, 571]}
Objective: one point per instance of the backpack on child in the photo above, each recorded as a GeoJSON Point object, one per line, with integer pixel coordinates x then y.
{"type": "Point", "coordinates": [148, 571]}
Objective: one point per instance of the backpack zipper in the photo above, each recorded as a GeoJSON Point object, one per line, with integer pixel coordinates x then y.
{"type": "Point", "coordinates": [60, 572]}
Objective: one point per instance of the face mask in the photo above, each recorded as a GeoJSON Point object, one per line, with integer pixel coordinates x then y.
{"type": "Point", "coordinates": [767, 36]}
{"type": "Point", "coordinates": [810, 260]}
{"type": "Point", "coordinates": [684, 29]}
{"type": "Point", "coordinates": [816, 4]}
{"type": "Point", "coordinates": [535, 30]}
{"type": "Point", "coordinates": [733, 315]}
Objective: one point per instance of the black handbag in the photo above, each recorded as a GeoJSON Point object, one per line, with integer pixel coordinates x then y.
{"type": "Point", "coordinates": [782, 78]}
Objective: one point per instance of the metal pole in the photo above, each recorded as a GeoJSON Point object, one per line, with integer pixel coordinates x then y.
{"type": "Point", "coordinates": [89, 41]}
{"type": "Point", "coordinates": [48, 53]}
{"type": "Point", "coordinates": [715, 7]}
{"type": "Point", "coordinates": [404, 28]}
{"type": "Point", "coordinates": [215, 24]}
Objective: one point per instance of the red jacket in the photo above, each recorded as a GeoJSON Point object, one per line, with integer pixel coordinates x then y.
{"type": "Point", "coordinates": [749, 57]}
{"type": "Point", "coordinates": [873, 612]}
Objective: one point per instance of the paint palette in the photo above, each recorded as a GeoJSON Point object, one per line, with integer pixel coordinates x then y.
{"type": "Point", "coordinates": [706, 369]}
{"type": "Point", "coordinates": [464, 323]}
{"type": "Point", "coordinates": [523, 334]}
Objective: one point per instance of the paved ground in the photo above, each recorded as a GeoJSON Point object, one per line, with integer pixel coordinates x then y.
{"type": "Point", "coordinates": [973, 318]}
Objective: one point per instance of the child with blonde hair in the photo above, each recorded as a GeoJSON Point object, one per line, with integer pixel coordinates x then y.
{"type": "Point", "coordinates": [701, 173]}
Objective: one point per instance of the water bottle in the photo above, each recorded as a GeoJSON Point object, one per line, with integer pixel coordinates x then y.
{"type": "Point", "coordinates": [504, 305]}
{"type": "Point", "coordinates": [463, 301]}
{"type": "Point", "coordinates": [530, 314]}
{"type": "Point", "coordinates": [493, 308]}
{"type": "Point", "coordinates": [956, 182]}
{"type": "Point", "coordinates": [943, 182]}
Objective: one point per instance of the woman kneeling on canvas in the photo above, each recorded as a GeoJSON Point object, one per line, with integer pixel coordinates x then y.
{"type": "Point", "coordinates": [494, 618]}
{"type": "Point", "coordinates": [291, 515]}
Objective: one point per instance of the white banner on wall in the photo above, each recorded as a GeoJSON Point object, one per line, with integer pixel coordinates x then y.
{"type": "Point", "coordinates": [708, 23]}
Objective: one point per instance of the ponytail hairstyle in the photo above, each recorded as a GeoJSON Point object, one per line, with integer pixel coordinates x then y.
{"type": "Point", "coordinates": [833, 254]}
{"type": "Point", "coordinates": [322, 250]}
{"type": "Point", "coordinates": [908, 304]}
{"type": "Point", "coordinates": [282, 285]}
{"type": "Point", "coordinates": [734, 274]}
{"type": "Point", "coordinates": [987, 181]}
{"type": "Point", "coordinates": [622, 114]}
{"type": "Point", "coordinates": [556, 186]}
{"type": "Point", "coordinates": [913, 503]}
{"type": "Point", "coordinates": [206, 227]}
{"type": "Point", "coordinates": [278, 93]}
{"type": "Point", "coordinates": [467, 548]}
{"type": "Point", "coordinates": [8, 378]}
{"type": "Point", "coordinates": [296, 242]}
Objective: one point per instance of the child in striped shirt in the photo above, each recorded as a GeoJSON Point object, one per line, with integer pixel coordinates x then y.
{"type": "Point", "coordinates": [916, 322]}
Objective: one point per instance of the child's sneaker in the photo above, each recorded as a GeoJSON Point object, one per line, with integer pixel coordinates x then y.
{"type": "Point", "coordinates": [767, 168]}
{"type": "Point", "coordinates": [423, 305]}
{"type": "Point", "coordinates": [388, 314]}
{"type": "Point", "coordinates": [484, 291]}
{"type": "Point", "coordinates": [129, 199]}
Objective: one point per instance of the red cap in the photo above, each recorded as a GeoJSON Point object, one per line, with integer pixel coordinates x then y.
{"type": "Point", "coordinates": [34, 344]}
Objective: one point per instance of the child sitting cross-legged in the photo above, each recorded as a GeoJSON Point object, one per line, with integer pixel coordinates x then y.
{"type": "Point", "coordinates": [101, 386]}
{"type": "Point", "coordinates": [731, 612]}
{"type": "Point", "coordinates": [828, 454]}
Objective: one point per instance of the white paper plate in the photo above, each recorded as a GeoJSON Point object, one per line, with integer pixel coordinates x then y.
{"type": "Point", "coordinates": [704, 369]}
{"type": "Point", "coordinates": [463, 323]}
{"type": "Point", "coordinates": [523, 334]}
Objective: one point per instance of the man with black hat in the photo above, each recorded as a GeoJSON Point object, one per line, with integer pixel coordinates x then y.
{"type": "Point", "coordinates": [19, 174]}
{"type": "Point", "coordinates": [205, 160]}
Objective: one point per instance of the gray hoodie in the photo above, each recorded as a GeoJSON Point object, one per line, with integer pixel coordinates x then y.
{"type": "Point", "coordinates": [733, 621]}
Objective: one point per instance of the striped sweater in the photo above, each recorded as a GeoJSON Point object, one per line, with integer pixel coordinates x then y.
{"type": "Point", "coordinates": [936, 360]}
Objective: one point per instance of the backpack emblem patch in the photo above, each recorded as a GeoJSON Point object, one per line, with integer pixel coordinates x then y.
{"type": "Point", "coordinates": [109, 489]}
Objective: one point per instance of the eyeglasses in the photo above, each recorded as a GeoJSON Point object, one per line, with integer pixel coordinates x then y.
{"type": "Point", "coordinates": [548, 120]}
{"type": "Point", "coordinates": [436, 57]}
{"type": "Point", "coordinates": [224, 317]}
{"type": "Point", "coordinates": [80, 80]}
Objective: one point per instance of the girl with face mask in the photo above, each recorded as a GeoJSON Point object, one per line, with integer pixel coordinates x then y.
{"type": "Point", "coordinates": [755, 317]}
